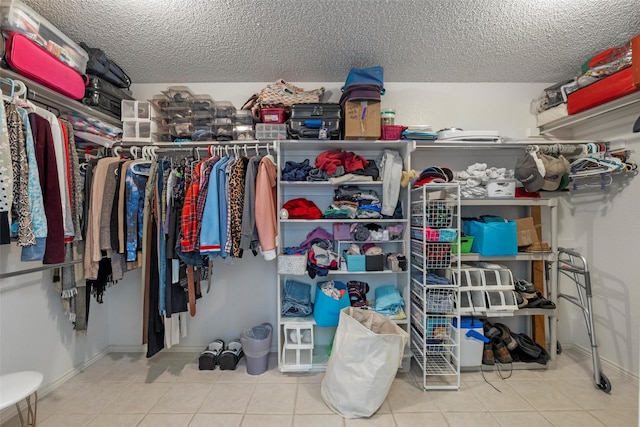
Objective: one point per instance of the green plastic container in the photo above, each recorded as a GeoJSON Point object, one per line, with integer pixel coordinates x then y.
{"type": "Point", "coordinates": [465, 245]}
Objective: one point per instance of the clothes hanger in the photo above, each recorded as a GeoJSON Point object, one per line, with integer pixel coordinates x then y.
{"type": "Point", "coordinates": [116, 151]}
{"type": "Point", "coordinates": [269, 156]}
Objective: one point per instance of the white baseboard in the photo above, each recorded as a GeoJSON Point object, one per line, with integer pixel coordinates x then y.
{"type": "Point", "coordinates": [607, 365]}
{"type": "Point", "coordinates": [174, 349]}
{"type": "Point", "coordinates": [11, 411]}
{"type": "Point", "coordinates": [143, 349]}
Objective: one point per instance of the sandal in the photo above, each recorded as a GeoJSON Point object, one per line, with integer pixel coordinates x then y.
{"type": "Point", "coordinates": [209, 357]}
{"type": "Point", "coordinates": [542, 302]}
{"type": "Point", "coordinates": [229, 358]}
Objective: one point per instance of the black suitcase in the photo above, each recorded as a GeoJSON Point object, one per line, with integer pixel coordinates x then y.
{"type": "Point", "coordinates": [314, 121]}
{"type": "Point", "coordinates": [104, 96]}
{"type": "Point", "coordinates": [101, 65]}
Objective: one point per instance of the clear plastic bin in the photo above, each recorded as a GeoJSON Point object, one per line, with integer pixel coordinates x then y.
{"type": "Point", "coordinates": [224, 109]}
{"type": "Point", "coordinates": [242, 117]}
{"type": "Point", "coordinates": [243, 133]}
{"type": "Point", "coordinates": [17, 16]}
{"type": "Point", "coordinates": [224, 129]}
{"type": "Point", "coordinates": [266, 131]}
{"type": "Point", "coordinates": [178, 93]}
{"type": "Point", "coordinates": [203, 133]}
{"type": "Point", "coordinates": [201, 103]}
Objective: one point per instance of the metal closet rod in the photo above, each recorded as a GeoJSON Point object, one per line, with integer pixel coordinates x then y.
{"type": "Point", "coordinates": [164, 147]}
{"type": "Point", "coordinates": [41, 268]}
{"type": "Point", "coordinates": [420, 145]}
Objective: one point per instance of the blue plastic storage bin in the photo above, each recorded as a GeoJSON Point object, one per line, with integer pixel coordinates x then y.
{"type": "Point", "coordinates": [326, 310]}
{"type": "Point", "coordinates": [493, 238]}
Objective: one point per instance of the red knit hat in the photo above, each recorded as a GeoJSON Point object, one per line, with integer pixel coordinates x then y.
{"type": "Point", "coordinates": [302, 209]}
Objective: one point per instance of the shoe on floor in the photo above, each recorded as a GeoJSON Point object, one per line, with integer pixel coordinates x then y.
{"type": "Point", "coordinates": [488, 358]}
{"type": "Point", "coordinates": [500, 351]}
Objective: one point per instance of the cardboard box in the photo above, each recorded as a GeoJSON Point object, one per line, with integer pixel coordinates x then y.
{"type": "Point", "coordinates": [362, 119]}
{"type": "Point", "coordinates": [526, 230]}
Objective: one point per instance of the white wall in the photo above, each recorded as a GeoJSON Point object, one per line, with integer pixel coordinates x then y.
{"type": "Point", "coordinates": [34, 332]}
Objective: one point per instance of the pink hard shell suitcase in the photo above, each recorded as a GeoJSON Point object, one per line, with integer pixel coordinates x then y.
{"type": "Point", "coordinates": [33, 62]}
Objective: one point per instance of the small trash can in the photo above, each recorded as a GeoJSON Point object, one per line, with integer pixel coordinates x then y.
{"type": "Point", "coordinates": [256, 343]}
{"type": "Point", "coordinates": [471, 342]}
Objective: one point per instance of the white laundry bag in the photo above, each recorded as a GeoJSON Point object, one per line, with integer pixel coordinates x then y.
{"type": "Point", "coordinates": [367, 352]}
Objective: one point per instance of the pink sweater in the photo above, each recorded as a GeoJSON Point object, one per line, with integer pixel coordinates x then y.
{"type": "Point", "coordinates": [265, 207]}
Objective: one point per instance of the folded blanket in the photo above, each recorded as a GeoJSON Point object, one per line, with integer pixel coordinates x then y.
{"type": "Point", "coordinates": [388, 300]}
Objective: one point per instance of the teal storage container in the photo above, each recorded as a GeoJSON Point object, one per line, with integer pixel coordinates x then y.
{"type": "Point", "coordinates": [493, 238]}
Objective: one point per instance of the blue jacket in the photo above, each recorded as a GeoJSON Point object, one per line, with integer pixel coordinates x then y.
{"type": "Point", "coordinates": [210, 231]}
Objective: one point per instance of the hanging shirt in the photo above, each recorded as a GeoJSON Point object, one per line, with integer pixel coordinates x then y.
{"type": "Point", "coordinates": [36, 205]}
{"type": "Point", "coordinates": [189, 223]}
{"type": "Point", "coordinates": [61, 165]}
{"type": "Point", "coordinates": [135, 182]}
{"type": "Point", "coordinates": [249, 239]}
{"type": "Point", "coordinates": [6, 178]}
{"type": "Point", "coordinates": [48, 171]}
{"type": "Point", "coordinates": [21, 209]}
{"type": "Point", "coordinates": [265, 207]}
{"type": "Point", "coordinates": [222, 204]}
{"type": "Point", "coordinates": [210, 231]}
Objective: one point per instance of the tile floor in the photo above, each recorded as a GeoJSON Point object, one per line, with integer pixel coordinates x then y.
{"type": "Point", "coordinates": [124, 390]}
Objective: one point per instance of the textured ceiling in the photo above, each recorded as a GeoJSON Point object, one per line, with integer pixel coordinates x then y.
{"type": "Point", "coordinates": [302, 41]}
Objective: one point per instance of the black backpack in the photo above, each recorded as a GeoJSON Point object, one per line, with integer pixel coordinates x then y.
{"type": "Point", "coordinates": [100, 65]}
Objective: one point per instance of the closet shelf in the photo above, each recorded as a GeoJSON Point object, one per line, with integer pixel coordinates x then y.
{"type": "Point", "coordinates": [518, 201]}
{"type": "Point", "coordinates": [340, 272]}
{"type": "Point", "coordinates": [43, 95]}
{"type": "Point", "coordinates": [357, 146]}
{"type": "Point", "coordinates": [522, 256]}
{"type": "Point", "coordinates": [310, 321]}
{"type": "Point", "coordinates": [325, 183]}
{"type": "Point", "coordinates": [611, 110]}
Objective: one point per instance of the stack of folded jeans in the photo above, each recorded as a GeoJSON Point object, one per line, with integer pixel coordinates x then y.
{"type": "Point", "coordinates": [296, 301]}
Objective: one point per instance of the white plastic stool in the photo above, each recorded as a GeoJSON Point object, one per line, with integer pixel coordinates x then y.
{"type": "Point", "coordinates": [18, 386]}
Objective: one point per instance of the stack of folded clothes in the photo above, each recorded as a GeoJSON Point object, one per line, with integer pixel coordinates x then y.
{"type": "Point", "coordinates": [388, 300]}
{"type": "Point", "coordinates": [340, 166]}
{"type": "Point", "coordinates": [350, 202]}
{"type": "Point", "coordinates": [296, 300]}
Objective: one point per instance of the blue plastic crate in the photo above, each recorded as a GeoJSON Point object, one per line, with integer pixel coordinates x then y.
{"type": "Point", "coordinates": [447, 235]}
